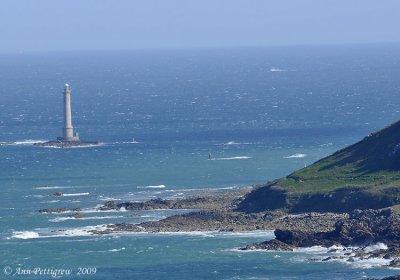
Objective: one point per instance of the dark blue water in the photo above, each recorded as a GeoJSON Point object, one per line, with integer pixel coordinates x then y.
{"type": "Point", "coordinates": [261, 113]}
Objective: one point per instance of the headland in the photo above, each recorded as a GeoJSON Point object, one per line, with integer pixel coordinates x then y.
{"type": "Point", "coordinates": [348, 202]}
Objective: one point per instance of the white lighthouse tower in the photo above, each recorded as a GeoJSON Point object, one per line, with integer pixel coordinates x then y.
{"type": "Point", "coordinates": [68, 131]}
{"type": "Point", "coordinates": [69, 139]}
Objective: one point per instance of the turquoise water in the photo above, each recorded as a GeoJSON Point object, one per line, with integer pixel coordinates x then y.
{"type": "Point", "coordinates": [262, 113]}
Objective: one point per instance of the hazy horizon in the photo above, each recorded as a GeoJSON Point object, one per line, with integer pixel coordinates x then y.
{"type": "Point", "coordinates": [334, 47]}
{"type": "Point", "coordinates": [46, 25]}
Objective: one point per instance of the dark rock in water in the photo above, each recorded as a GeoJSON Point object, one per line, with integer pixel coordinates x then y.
{"type": "Point", "coordinates": [273, 245]}
{"type": "Point", "coordinates": [67, 144]}
{"type": "Point", "coordinates": [59, 210]}
{"type": "Point", "coordinates": [109, 205]}
{"type": "Point", "coordinates": [299, 238]}
{"type": "Point", "coordinates": [395, 263]}
{"type": "Point", "coordinates": [120, 227]}
{"type": "Point", "coordinates": [396, 277]}
{"type": "Point", "coordinates": [147, 205]}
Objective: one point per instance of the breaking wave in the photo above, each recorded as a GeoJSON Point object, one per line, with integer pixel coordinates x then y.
{"type": "Point", "coordinates": [231, 158]}
{"type": "Point", "coordinates": [62, 219]}
{"type": "Point", "coordinates": [49, 188]}
{"type": "Point", "coordinates": [82, 231]}
{"type": "Point", "coordinates": [235, 143]}
{"type": "Point", "coordinates": [280, 70]}
{"type": "Point", "coordinates": [116, 250]}
{"type": "Point", "coordinates": [22, 142]}
{"type": "Point", "coordinates": [25, 235]}
{"type": "Point", "coordinates": [75, 194]}
{"type": "Point", "coordinates": [296, 156]}
{"type": "Point", "coordinates": [153, 187]}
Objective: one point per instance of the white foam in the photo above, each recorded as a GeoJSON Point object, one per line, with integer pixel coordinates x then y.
{"type": "Point", "coordinates": [338, 254]}
{"type": "Point", "coordinates": [235, 143]}
{"type": "Point", "coordinates": [108, 198]}
{"type": "Point", "coordinates": [226, 188]}
{"type": "Point", "coordinates": [50, 201]}
{"type": "Point", "coordinates": [369, 263]}
{"type": "Point", "coordinates": [49, 188]}
{"type": "Point", "coordinates": [82, 146]}
{"type": "Point", "coordinates": [153, 187]}
{"type": "Point", "coordinates": [75, 194]}
{"type": "Point", "coordinates": [296, 156]}
{"type": "Point", "coordinates": [23, 142]}
{"type": "Point", "coordinates": [277, 70]}
{"type": "Point", "coordinates": [85, 146]}
{"type": "Point", "coordinates": [82, 231]}
{"type": "Point", "coordinates": [375, 247]}
{"type": "Point", "coordinates": [313, 250]}
{"type": "Point", "coordinates": [131, 142]}
{"type": "Point", "coordinates": [232, 158]}
{"type": "Point", "coordinates": [116, 250]}
{"type": "Point", "coordinates": [123, 142]}
{"type": "Point", "coordinates": [62, 219]}
{"type": "Point", "coordinates": [25, 235]}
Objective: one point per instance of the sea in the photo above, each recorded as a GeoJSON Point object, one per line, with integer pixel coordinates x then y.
{"type": "Point", "coordinates": [260, 112]}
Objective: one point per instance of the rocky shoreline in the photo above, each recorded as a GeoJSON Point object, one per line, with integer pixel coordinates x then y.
{"type": "Point", "coordinates": [364, 234]}
{"type": "Point", "coordinates": [358, 235]}
{"type": "Point", "coordinates": [230, 221]}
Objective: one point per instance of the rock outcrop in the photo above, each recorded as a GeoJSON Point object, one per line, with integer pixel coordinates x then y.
{"type": "Point", "coordinates": [226, 200]}
{"type": "Point", "coordinates": [67, 144]}
{"type": "Point", "coordinates": [362, 229]}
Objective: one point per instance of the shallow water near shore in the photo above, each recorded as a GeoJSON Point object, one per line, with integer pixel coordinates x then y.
{"type": "Point", "coordinates": [159, 115]}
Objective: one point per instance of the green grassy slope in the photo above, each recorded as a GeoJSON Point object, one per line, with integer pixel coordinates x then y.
{"type": "Point", "coordinates": [363, 175]}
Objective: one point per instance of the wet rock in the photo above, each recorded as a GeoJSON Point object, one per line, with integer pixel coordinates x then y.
{"type": "Point", "coordinates": [224, 201]}
{"type": "Point", "coordinates": [396, 277]}
{"type": "Point", "coordinates": [361, 228]}
{"type": "Point", "coordinates": [109, 205]}
{"type": "Point", "coordinates": [273, 245]}
{"type": "Point", "coordinates": [67, 144]}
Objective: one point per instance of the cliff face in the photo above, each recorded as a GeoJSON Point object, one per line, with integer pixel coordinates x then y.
{"type": "Point", "coordinates": [361, 176]}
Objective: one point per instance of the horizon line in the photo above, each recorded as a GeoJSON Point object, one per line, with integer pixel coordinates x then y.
{"type": "Point", "coordinates": [222, 47]}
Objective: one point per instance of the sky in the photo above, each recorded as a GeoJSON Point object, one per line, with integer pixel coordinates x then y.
{"type": "Point", "coordinates": [69, 25]}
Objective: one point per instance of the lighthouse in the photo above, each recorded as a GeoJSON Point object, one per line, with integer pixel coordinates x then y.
{"type": "Point", "coordinates": [69, 139]}
{"type": "Point", "coordinates": [68, 130]}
